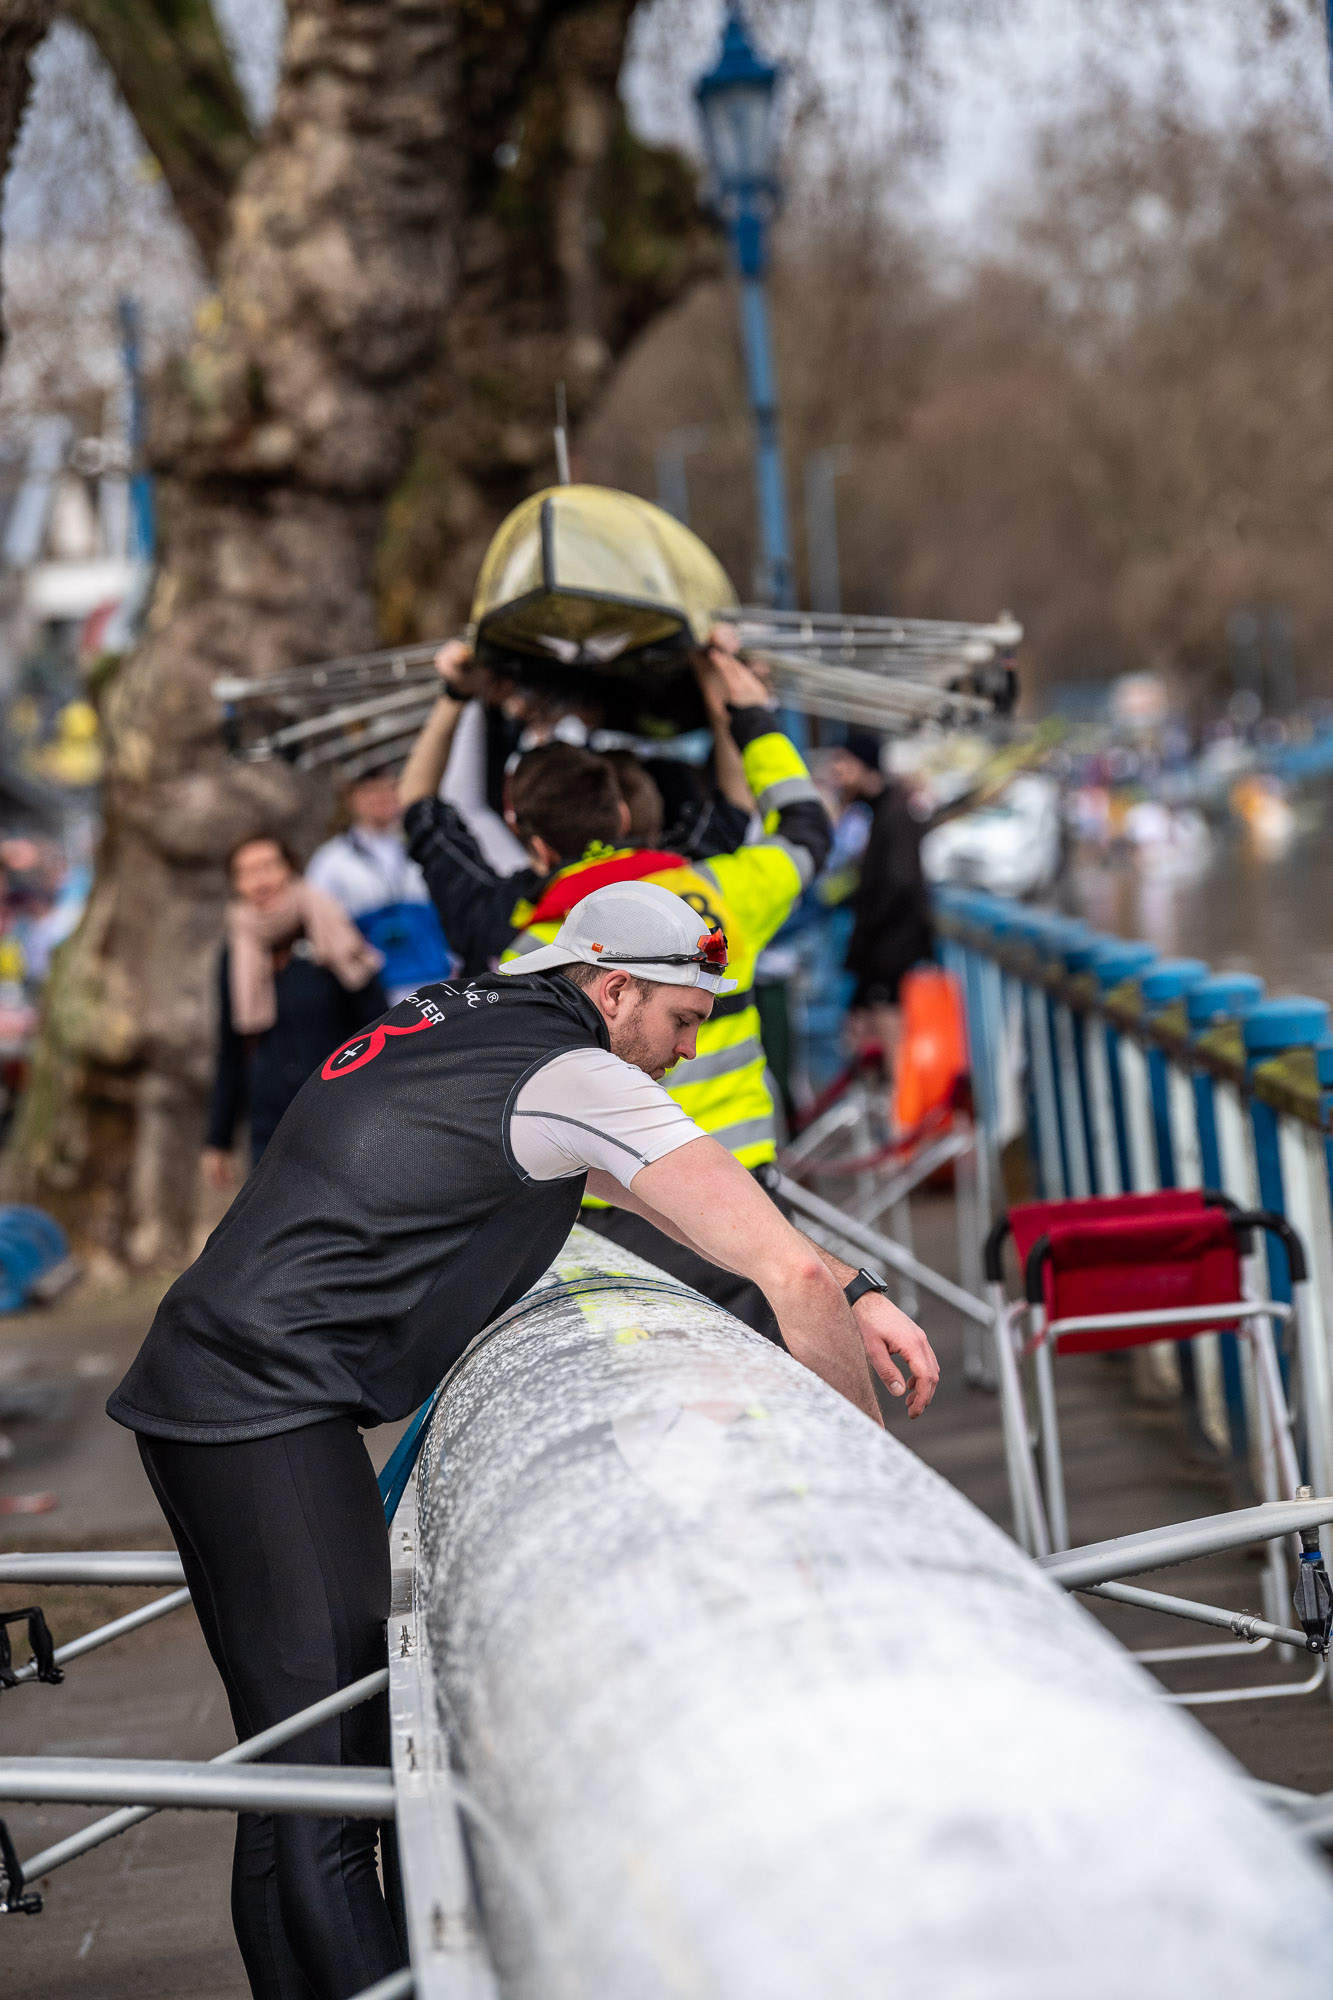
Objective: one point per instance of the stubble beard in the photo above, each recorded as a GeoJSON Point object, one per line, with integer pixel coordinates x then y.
{"type": "Point", "coordinates": [634, 1046]}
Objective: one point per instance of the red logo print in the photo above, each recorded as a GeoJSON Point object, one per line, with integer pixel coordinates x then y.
{"type": "Point", "coordinates": [364, 1048]}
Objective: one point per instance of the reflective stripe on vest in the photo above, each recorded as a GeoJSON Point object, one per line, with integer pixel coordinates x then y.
{"type": "Point", "coordinates": [752, 1142]}
{"type": "Point", "coordinates": [786, 792]}
{"type": "Point", "coordinates": [720, 1062]}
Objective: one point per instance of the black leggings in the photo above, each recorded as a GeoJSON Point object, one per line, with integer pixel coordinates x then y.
{"type": "Point", "coordinates": [287, 1558]}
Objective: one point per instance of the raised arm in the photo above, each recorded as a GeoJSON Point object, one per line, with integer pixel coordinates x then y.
{"type": "Point", "coordinates": [724, 679]}
{"type": "Point", "coordinates": [762, 879]}
{"type": "Point", "coordinates": [459, 684]}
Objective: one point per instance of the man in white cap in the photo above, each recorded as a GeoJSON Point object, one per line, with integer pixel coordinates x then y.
{"type": "Point", "coordinates": [419, 1184]}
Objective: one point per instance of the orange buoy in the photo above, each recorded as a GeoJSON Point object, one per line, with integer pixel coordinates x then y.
{"type": "Point", "coordinates": [932, 1053]}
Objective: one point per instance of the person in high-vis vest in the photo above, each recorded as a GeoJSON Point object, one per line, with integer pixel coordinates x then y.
{"type": "Point", "coordinates": [570, 819]}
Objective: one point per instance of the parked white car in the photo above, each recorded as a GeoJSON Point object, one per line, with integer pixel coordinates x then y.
{"type": "Point", "coordinates": [1011, 847]}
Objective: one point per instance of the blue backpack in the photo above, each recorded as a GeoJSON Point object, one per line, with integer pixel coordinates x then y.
{"type": "Point", "coordinates": [413, 944]}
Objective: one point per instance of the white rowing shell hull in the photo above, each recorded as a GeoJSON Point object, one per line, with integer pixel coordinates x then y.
{"type": "Point", "coordinates": [757, 1707]}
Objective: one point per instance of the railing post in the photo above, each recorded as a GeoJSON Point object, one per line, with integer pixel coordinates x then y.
{"type": "Point", "coordinates": [1280, 1036]}
{"type": "Point", "coordinates": [1049, 1146]}
{"type": "Point", "coordinates": [1071, 1077]}
{"type": "Point", "coordinates": [1115, 965]}
{"type": "Point", "coordinates": [1163, 989]}
{"type": "Point", "coordinates": [1106, 1146]}
{"type": "Point", "coordinates": [1273, 1031]}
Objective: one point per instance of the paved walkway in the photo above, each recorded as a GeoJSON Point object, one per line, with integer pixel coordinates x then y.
{"type": "Point", "coordinates": [146, 1916]}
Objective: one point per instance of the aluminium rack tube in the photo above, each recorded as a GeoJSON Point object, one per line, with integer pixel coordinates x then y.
{"type": "Point", "coordinates": [754, 1706]}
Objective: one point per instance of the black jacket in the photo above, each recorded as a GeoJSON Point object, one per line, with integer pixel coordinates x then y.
{"type": "Point", "coordinates": [891, 903]}
{"type": "Point", "coordinates": [261, 1074]}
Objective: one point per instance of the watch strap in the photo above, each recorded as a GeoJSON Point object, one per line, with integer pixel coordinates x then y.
{"type": "Point", "coordinates": [857, 1287]}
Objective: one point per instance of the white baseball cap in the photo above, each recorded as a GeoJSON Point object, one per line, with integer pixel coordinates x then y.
{"type": "Point", "coordinates": [639, 925]}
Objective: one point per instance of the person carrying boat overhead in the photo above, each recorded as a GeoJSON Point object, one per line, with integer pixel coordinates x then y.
{"type": "Point", "coordinates": [565, 807]}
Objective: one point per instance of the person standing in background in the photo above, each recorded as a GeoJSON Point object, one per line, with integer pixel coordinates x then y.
{"type": "Point", "coordinates": [368, 873]}
{"type": "Point", "coordinates": [891, 930]}
{"type": "Point", "coordinates": [295, 979]}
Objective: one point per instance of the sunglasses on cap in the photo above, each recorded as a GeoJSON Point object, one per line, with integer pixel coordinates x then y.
{"type": "Point", "coordinates": [712, 954]}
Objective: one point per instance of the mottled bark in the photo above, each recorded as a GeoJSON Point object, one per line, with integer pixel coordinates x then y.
{"type": "Point", "coordinates": [576, 236]}
{"type": "Point", "coordinates": [279, 439]}
{"type": "Point", "coordinates": [175, 74]}
{"type": "Point", "coordinates": [409, 141]}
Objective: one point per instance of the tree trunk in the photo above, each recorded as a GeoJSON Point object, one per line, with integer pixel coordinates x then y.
{"type": "Point", "coordinates": [403, 132]}
{"type": "Point", "coordinates": [283, 433]}
{"type": "Point", "coordinates": [577, 235]}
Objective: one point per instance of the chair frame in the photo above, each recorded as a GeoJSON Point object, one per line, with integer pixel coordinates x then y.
{"type": "Point", "coordinates": [1033, 1456]}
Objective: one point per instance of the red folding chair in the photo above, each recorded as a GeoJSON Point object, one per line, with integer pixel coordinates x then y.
{"type": "Point", "coordinates": [1115, 1272]}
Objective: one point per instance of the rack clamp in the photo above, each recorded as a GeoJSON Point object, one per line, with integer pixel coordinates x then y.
{"type": "Point", "coordinates": [1312, 1598]}
{"type": "Point", "coordinates": [39, 1639]}
{"type": "Point", "coordinates": [15, 1899]}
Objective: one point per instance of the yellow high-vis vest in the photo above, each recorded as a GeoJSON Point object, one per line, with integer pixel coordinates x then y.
{"type": "Point", "coordinates": [750, 893]}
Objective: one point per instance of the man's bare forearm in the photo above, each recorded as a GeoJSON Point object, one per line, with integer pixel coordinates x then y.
{"type": "Point", "coordinates": [429, 755]}
{"type": "Point", "coordinates": [887, 1335]}
{"type": "Point", "coordinates": [619, 1196]}
{"type": "Point", "coordinates": [607, 1188]}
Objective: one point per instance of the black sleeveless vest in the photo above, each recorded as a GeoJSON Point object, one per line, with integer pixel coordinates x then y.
{"type": "Point", "coordinates": [386, 1224]}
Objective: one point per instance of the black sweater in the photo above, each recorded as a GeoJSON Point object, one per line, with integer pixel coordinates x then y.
{"type": "Point", "coordinates": [891, 904]}
{"type": "Point", "coordinates": [261, 1074]}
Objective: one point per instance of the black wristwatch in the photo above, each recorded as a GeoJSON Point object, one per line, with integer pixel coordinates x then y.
{"type": "Point", "coordinates": [857, 1287]}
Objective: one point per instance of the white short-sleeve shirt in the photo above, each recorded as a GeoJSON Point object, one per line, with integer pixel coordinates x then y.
{"type": "Point", "coordinates": [587, 1108]}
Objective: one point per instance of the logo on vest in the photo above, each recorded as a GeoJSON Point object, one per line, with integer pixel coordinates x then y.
{"type": "Point", "coordinates": [364, 1048]}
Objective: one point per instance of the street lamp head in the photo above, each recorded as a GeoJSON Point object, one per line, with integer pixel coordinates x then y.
{"type": "Point", "coordinates": [736, 101]}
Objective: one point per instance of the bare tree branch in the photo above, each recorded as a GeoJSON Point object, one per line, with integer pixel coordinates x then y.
{"type": "Point", "coordinates": [174, 72]}
{"type": "Point", "coordinates": [22, 25]}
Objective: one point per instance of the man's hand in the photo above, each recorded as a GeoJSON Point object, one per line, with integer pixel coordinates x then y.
{"type": "Point", "coordinates": [217, 1168]}
{"type": "Point", "coordinates": [725, 678]}
{"type": "Point", "coordinates": [460, 676]}
{"type": "Point", "coordinates": [886, 1331]}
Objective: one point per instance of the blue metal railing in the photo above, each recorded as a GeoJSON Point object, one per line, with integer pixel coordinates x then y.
{"type": "Point", "coordinates": [1126, 1072]}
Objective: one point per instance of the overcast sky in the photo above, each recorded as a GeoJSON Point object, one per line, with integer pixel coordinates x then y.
{"type": "Point", "coordinates": [999, 72]}
{"type": "Point", "coordinates": [84, 217]}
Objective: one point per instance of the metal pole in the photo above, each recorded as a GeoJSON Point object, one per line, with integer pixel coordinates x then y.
{"type": "Point", "coordinates": [102, 1830]}
{"type": "Point", "coordinates": [135, 1566]}
{"type": "Point", "coordinates": [344, 1791]}
{"type": "Point", "coordinates": [142, 511]}
{"type": "Point", "coordinates": [749, 240]}
{"type": "Point", "coordinates": [1243, 1623]}
{"type": "Point", "coordinates": [397, 1986]}
{"type": "Point", "coordinates": [821, 529]}
{"type": "Point", "coordinates": [840, 1224]}
{"type": "Point", "coordinates": [104, 1634]}
{"type": "Point", "coordinates": [673, 487]}
{"type": "Point", "coordinates": [1158, 1548]}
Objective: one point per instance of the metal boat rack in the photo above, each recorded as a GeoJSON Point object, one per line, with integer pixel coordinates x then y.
{"type": "Point", "coordinates": [883, 1182]}
{"type": "Point", "coordinates": [892, 674]}
{"type": "Point", "coordinates": [420, 1791]}
{"type": "Point", "coordinates": [433, 1808]}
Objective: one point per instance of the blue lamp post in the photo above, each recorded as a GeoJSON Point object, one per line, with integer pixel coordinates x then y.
{"type": "Point", "coordinates": [736, 110]}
